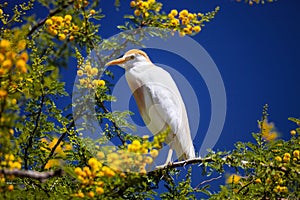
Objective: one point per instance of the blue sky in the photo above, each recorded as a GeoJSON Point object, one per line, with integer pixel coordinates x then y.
{"type": "Point", "coordinates": [256, 50]}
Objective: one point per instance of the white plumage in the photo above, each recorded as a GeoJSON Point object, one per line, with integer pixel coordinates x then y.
{"type": "Point", "coordinates": [159, 101]}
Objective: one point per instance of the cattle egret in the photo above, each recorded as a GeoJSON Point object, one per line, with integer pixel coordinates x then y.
{"type": "Point", "coordinates": [159, 101]}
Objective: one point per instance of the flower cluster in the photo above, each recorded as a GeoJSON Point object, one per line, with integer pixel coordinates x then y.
{"type": "Point", "coordinates": [91, 176]}
{"type": "Point", "coordinates": [112, 163]}
{"type": "Point", "coordinates": [78, 4]}
{"type": "Point", "coordinates": [62, 27]}
{"type": "Point", "coordinates": [144, 8]}
{"type": "Point", "coordinates": [9, 161]}
{"type": "Point", "coordinates": [188, 23]}
{"type": "Point", "coordinates": [251, 2]}
{"type": "Point", "coordinates": [268, 131]}
{"type": "Point", "coordinates": [47, 146]}
{"type": "Point", "coordinates": [12, 55]}
{"type": "Point", "coordinates": [279, 182]}
{"type": "Point", "coordinates": [183, 21]}
{"type": "Point", "coordinates": [91, 73]}
{"type": "Point", "coordinates": [287, 157]}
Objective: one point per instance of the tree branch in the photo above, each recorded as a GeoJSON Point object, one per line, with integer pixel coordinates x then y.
{"type": "Point", "coordinates": [184, 163]}
{"type": "Point", "coordinates": [41, 176]}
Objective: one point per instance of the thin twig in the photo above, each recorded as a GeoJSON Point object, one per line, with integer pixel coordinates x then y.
{"type": "Point", "coordinates": [41, 176]}
{"type": "Point", "coordinates": [207, 181]}
{"type": "Point", "coordinates": [32, 134]}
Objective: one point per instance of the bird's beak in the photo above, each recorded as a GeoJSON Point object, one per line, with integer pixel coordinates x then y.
{"type": "Point", "coordinates": [118, 61]}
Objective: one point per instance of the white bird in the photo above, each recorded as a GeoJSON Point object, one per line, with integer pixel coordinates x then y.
{"type": "Point", "coordinates": [159, 101]}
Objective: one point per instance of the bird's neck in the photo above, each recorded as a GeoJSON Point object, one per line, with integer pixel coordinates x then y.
{"type": "Point", "coordinates": [139, 66]}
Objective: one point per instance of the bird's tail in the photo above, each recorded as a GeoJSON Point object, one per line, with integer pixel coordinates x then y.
{"type": "Point", "coordinates": [183, 146]}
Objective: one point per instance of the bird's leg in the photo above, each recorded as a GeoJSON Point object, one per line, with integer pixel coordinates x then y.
{"type": "Point", "coordinates": [169, 157]}
{"type": "Point", "coordinates": [168, 161]}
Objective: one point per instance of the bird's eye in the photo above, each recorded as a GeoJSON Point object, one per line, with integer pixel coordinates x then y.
{"type": "Point", "coordinates": [131, 57]}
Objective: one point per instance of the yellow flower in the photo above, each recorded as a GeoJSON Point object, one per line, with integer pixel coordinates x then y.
{"type": "Point", "coordinates": [10, 187]}
{"type": "Point", "coordinates": [7, 64]}
{"type": "Point", "coordinates": [61, 36]}
{"type": "Point", "coordinates": [49, 22]}
{"type": "Point", "coordinates": [4, 44]}
{"type": "Point", "coordinates": [108, 172]}
{"type": "Point", "coordinates": [91, 194]}
{"type": "Point", "coordinates": [233, 179]}
{"type": "Point", "coordinates": [174, 12]}
{"type": "Point", "coordinates": [136, 143]}
{"type": "Point", "coordinates": [54, 32]}
{"type": "Point", "coordinates": [77, 170]}
{"type": "Point", "coordinates": [266, 130]}
{"type": "Point", "coordinates": [80, 73]}
{"type": "Point", "coordinates": [271, 136]}
{"type": "Point", "coordinates": [112, 157]}
{"type": "Point", "coordinates": [148, 160]}
{"type": "Point", "coordinates": [132, 4]}
{"type": "Point", "coordinates": [145, 5]}
{"type": "Point", "coordinates": [68, 147]}
{"type": "Point", "coordinates": [171, 16]}
{"type": "Point", "coordinates": [93, 162]}
{"type": "Point", "coordinates": [137, 13]}
{"type": "Point", "coordinates": [59, 20]}
{"type": "Point", "coordinates": [92, 12]}
{"type": "Point", "coordinates": [24, 56]}
{"type": "Point", "coordinates": [11, 131]}
{"type": "Point", "coordinates": [197, 29]}
{"type": "Point", "coordinates": [94, 71]}
{"type": "Point", "coordinates": [101, 155]}
{"type": "Point", "coordinates": [257, 180]}
{"type": "Point", "coordinates": [2, 71]}
{"type": "Point", "coordinates": [151, 1]}
{"type": "Point", "coordinates": [68, 17]}
{"type": "Point", "coordinates": [1, 12]}
{"type": "Point", "coordinates": [296, 153]}
{"type": "Point", "coordinates": [99, 190]}
{"type": "Point", "coordinates": [283, 189]}
{"type": "Point", "coordinates": [21, 65]}
{"type": "Point", "coordinates": [80, 194]}
{"type": "Point", "coordinates": [2, 57]}
{"type": "Point", "coordinates": [286, 157]}
{"type": "Point", "coordinates": [71, 38]}
{"type": "Point", "coordinates": [184, 13]}
{"type": "Point", "coordinates": [278, 158]}
{"type": "Point", "coordinates": [21, 45]}
{"type": "Point", "coordinates": [293, 132]}
{"type": "Point", "coordinates": [99, 83]}
{"type": "Point", "coordinates": [154, 153]}
{"type": "Point", "coordinates": [191, 16]}
{"type": "Point", "coordinates": [16, 165]}
{"type": "Point", "coordinates": [52, 163]}
{"type": "Point", "coordinates": [3, 93]}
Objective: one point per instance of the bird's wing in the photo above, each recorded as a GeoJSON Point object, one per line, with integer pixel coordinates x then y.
{"type": "Point", "coordinates": [163, 106]}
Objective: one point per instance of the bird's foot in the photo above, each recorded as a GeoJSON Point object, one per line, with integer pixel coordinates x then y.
{"type": "Point", "coordinates": [164, 165]}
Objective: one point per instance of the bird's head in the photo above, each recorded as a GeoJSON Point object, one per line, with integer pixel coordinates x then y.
{"type": "Point", "coordinates": [130, 59]}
